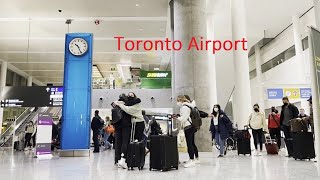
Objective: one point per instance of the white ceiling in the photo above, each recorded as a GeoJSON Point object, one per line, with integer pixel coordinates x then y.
{"type": "Point", "coordinates": [37, 46]}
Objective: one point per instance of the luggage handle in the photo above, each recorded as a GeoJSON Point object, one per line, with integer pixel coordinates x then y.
{"type": "Point", "coordinates": [133, 131]}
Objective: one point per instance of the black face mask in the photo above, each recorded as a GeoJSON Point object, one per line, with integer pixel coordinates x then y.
{"type": "Point", "coordinates": [286, 104]}
{"type": "Point", "coordinates": [256, 109]}
{"type": "Point", "coordinates": [273, 110]}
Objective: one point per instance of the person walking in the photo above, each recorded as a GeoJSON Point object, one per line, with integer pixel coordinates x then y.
{"type": "Point", "coordinates": [274, 125]}
{"type": "Point", "coordinates": [96, 125]}
{"type": "Point", "coordinates": [220, 127]}
{"type": "Point", "coordinates": [258, 125]}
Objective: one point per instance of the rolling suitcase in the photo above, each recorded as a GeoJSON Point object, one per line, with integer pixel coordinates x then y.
{"type": "Point", "coordinates": [303, 146]}
{"type": "Point", "coordinates": [272, 146]}
{"type": "Point", "coordinates": [136, 152]}
{"type": "Point", "coordinates": [163, 152]}
{"type": "Point", "coordinates": [299, 125]}
{"type": "Point", "coordinates": [243, 142]}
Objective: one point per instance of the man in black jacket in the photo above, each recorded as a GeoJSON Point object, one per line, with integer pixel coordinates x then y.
{"type": "Point", "coordinates": [96, 125]}
{"type": "Point", "coordinates": [288, 112]}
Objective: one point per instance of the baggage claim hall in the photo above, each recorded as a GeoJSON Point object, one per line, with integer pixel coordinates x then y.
{"type": "Point", "coordinates": [159, 89]}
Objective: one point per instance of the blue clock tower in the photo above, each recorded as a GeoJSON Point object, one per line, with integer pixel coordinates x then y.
{"type": "Point", "coordinates": [76, 109]}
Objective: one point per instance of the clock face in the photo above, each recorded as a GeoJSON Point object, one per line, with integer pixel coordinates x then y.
{"type": "Point", "coordinates": [78, 46]}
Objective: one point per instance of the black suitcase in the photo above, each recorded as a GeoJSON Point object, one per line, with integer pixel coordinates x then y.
{"type": "Point", "coordinates": [244, 146]}
{"type": "Point", "coordinates": [136, 152]}
{"type": "Point", "coordinates": [303, 146]}
{"type": "Point", "coordinates": [163, 152]}
{"type": "Point", "coordinates": [289, 145]}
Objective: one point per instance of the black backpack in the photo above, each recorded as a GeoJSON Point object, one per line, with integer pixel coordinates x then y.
{"type": "Point", "coordinates": [196, 120]}
{"type": "Point", "coordinates": [116, 114]}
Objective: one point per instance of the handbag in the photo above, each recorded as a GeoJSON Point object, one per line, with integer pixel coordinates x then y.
{"type": "Point", "coordinates": [109, 129]}
{"type": "Point", "coordinates": [275, 121]}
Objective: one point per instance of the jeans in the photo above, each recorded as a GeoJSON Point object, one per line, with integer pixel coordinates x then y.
{"type": "Point", "coordinates": [122, 140]}
{"type": "Point", "coordinates": [220, 141]}
{"type": "Point", "coordinates": [257, 137]}
{"type": "Point", "coordinates": [287, 132]}
{"type": "Point", "coordinates": [192, 148]}
{"type": "Point", "coordinates": [95, 139]}
{"type": "Point", "coordinates": [105, 138]}
{"type": "Point", "coordinates": [275, 133]}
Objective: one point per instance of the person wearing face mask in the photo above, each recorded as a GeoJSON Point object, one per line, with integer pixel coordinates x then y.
{"type": "Point", "coordinates": [288, 112]}
{"type": "Point", "coordinates": [302, 114]}
{"type": "Point", "coordinates": [258, 125]}
{"type": "Point", "coordinates": [132, 107]}
{"type": "Point", "coordinates": [274, 126]}
{"type": "Point", "coordinates": [189, 130]}
{"type": "Point", "coordinates": [220, 128]}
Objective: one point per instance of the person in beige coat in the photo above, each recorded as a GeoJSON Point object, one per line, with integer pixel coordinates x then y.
{"type": "Point", "coordinates": [257, 123]}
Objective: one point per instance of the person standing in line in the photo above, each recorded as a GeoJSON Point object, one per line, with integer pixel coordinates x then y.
{"type": "Point", "coordinates": [288, 112]}
{"type": "Point", "coordinates": [96, 125]}
{"type": "Point", "coordinates": [189, 130]}
{"type": "Point", "coordinates": [274, 125]}
{"type": "Point", "coordinates": [258, 125]}
{"type": "Point", "coordinates": [220, 127]}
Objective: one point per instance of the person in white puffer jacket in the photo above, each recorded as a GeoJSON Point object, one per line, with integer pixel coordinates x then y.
{"type": "Point", "coordinates": [189, 130]}
{"type": "Point", "coordinates": [257, 122]}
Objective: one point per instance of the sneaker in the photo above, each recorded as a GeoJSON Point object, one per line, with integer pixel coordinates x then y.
{"type": "Point", "coordinates": [123, 163]}
{"type": "Point", "coordinates": [220, 156]}
{"type": "Point", "coordinates": [190, 164]}
{"type": "Point", "coordinates": [256, 153]}
{"type": "Point", "coordinates": [26, 149]}
{"type": "Point", "coordinates": [260, 153]}
{"type": "Point", "coordinates": [197, 161]}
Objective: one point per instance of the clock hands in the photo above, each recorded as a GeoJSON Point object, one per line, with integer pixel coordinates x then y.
{"type": "Point", "coordinates": [78, 47]}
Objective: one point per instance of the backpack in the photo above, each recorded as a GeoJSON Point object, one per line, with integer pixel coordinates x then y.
{"type": "Point", "coordinates": [116, 114]}
{"type": "Point", "coordinates": [196, 120]}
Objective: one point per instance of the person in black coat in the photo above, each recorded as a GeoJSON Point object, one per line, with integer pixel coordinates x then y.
{"type": "Point", "coordinates": [96, 125]}
{"type": "Point", "coordinates": [288, 112]}
{"type": "Point", "coordinates": [220, 128]}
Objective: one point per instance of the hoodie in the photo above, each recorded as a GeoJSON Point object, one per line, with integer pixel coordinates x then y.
{"type": "Point", "coordinates": [257, 121]}
{"type": "Point", "coordinates": [185, 114]}
{"type": "Point", "coordinates": [134, 110]}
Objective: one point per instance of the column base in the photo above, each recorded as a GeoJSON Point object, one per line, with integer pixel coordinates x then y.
{"type": "Point", "coordinates": [75, 153]}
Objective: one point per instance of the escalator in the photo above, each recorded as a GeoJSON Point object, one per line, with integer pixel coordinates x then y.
{"type": "Point", "coordinates": [30, 114]}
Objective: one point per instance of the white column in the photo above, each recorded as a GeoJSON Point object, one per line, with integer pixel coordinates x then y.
{"type": "Point", "coordinates": [242, 95]}
{"type": "Point", "coordinates": [259, 78]}
{"type": "Point", "coordinates": [191, 66]}
{"type": "Point", "coordinates": [316, 4]}
{"type": "Point", "coordinates": [212, 96]}
{"type": "Point", "coordinates": [4, 68]}
{"type": "Point", "coordinates": [298, 43]}
{"type": "Point", "coordinates": [30, 81]}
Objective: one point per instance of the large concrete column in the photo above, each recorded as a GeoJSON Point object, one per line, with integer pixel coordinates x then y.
{"type": "Point", "coordinates": [191, 67]}
{"type": "Point", "coordinates": [4, 68]}
{"type": "Point", "coordinates": [30, 81]}
{"type": "Point", "coordinates": [259, 78]}
{"type": "Point", "coordinates": [316, 4]}
{"type": "Point", "coordinates": [212, 95]}
{"type": "Point", "coordinates": [242, 95]}
{"type": "Point", "coordinates": [298, 43]}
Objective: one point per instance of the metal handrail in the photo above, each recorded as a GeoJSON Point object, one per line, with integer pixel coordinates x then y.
{"type": "Point", "coordinates": [10, 128]}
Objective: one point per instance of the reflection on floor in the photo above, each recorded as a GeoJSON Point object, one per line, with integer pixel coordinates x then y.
{"type": "Point", "coordinates": [23, 166]}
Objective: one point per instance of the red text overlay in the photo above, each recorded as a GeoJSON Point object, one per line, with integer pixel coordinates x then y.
{"type": "Point", "coordinates": [199, 44]}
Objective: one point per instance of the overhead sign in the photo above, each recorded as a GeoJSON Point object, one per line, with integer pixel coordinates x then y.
{"type": "Point", "coordinates": [157, 75]}
{"type": "Point", "coordinates": [292, 93]}
{"type": "Point", "coordinates": [34, 96]}
{"type": "Point", "coordinates": [155, 79]}
{"type": "Point", "coordinates": [275, 93]}
{"type": "Point", "coordinates": [305, 93]}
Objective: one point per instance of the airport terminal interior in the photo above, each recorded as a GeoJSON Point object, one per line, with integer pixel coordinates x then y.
{"type": "Point", "coordinates": [160, 89]}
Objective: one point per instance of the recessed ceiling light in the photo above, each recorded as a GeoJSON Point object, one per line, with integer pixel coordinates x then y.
{"type": "Point", "coordinates": [156, 69]}
{"type": "Point", "coordinates": [140, 29]}
{"type": "Point", "coordinates": [161, 29]}
{"type": "Point", "coordinates": [137, 5]}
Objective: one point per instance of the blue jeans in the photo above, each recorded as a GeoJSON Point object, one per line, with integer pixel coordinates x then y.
{"type": "Point", "coordinates": [219, 141]}
{"type": "Point", "coordinates": [106, 142]}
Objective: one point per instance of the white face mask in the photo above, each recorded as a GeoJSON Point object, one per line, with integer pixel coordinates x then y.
{"type": "Point", "coordinates": [215, 109]}
{"type": "Point", "coordinates": [179, 104]}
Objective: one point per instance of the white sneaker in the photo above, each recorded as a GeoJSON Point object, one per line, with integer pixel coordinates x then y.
{"type": "Point", "coordinates": [26, 149]}
{"type": "Point", "coordinates": [123, 163]}
{"type": "Point", "coordinates": [256, 153]}
{"type": "Point", "coordinates": [197, 161]}
{"type": "Point", "coordinates": [260, 153]}
{"type": "Point", "coordinates": [190, 164]}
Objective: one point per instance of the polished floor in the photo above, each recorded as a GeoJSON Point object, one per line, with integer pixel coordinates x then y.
{"type": "Point", "coordinates": [22, 165]}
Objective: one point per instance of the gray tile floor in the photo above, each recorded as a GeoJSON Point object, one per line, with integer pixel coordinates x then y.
{"type": "Point", "coordinates": [22, 166]}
